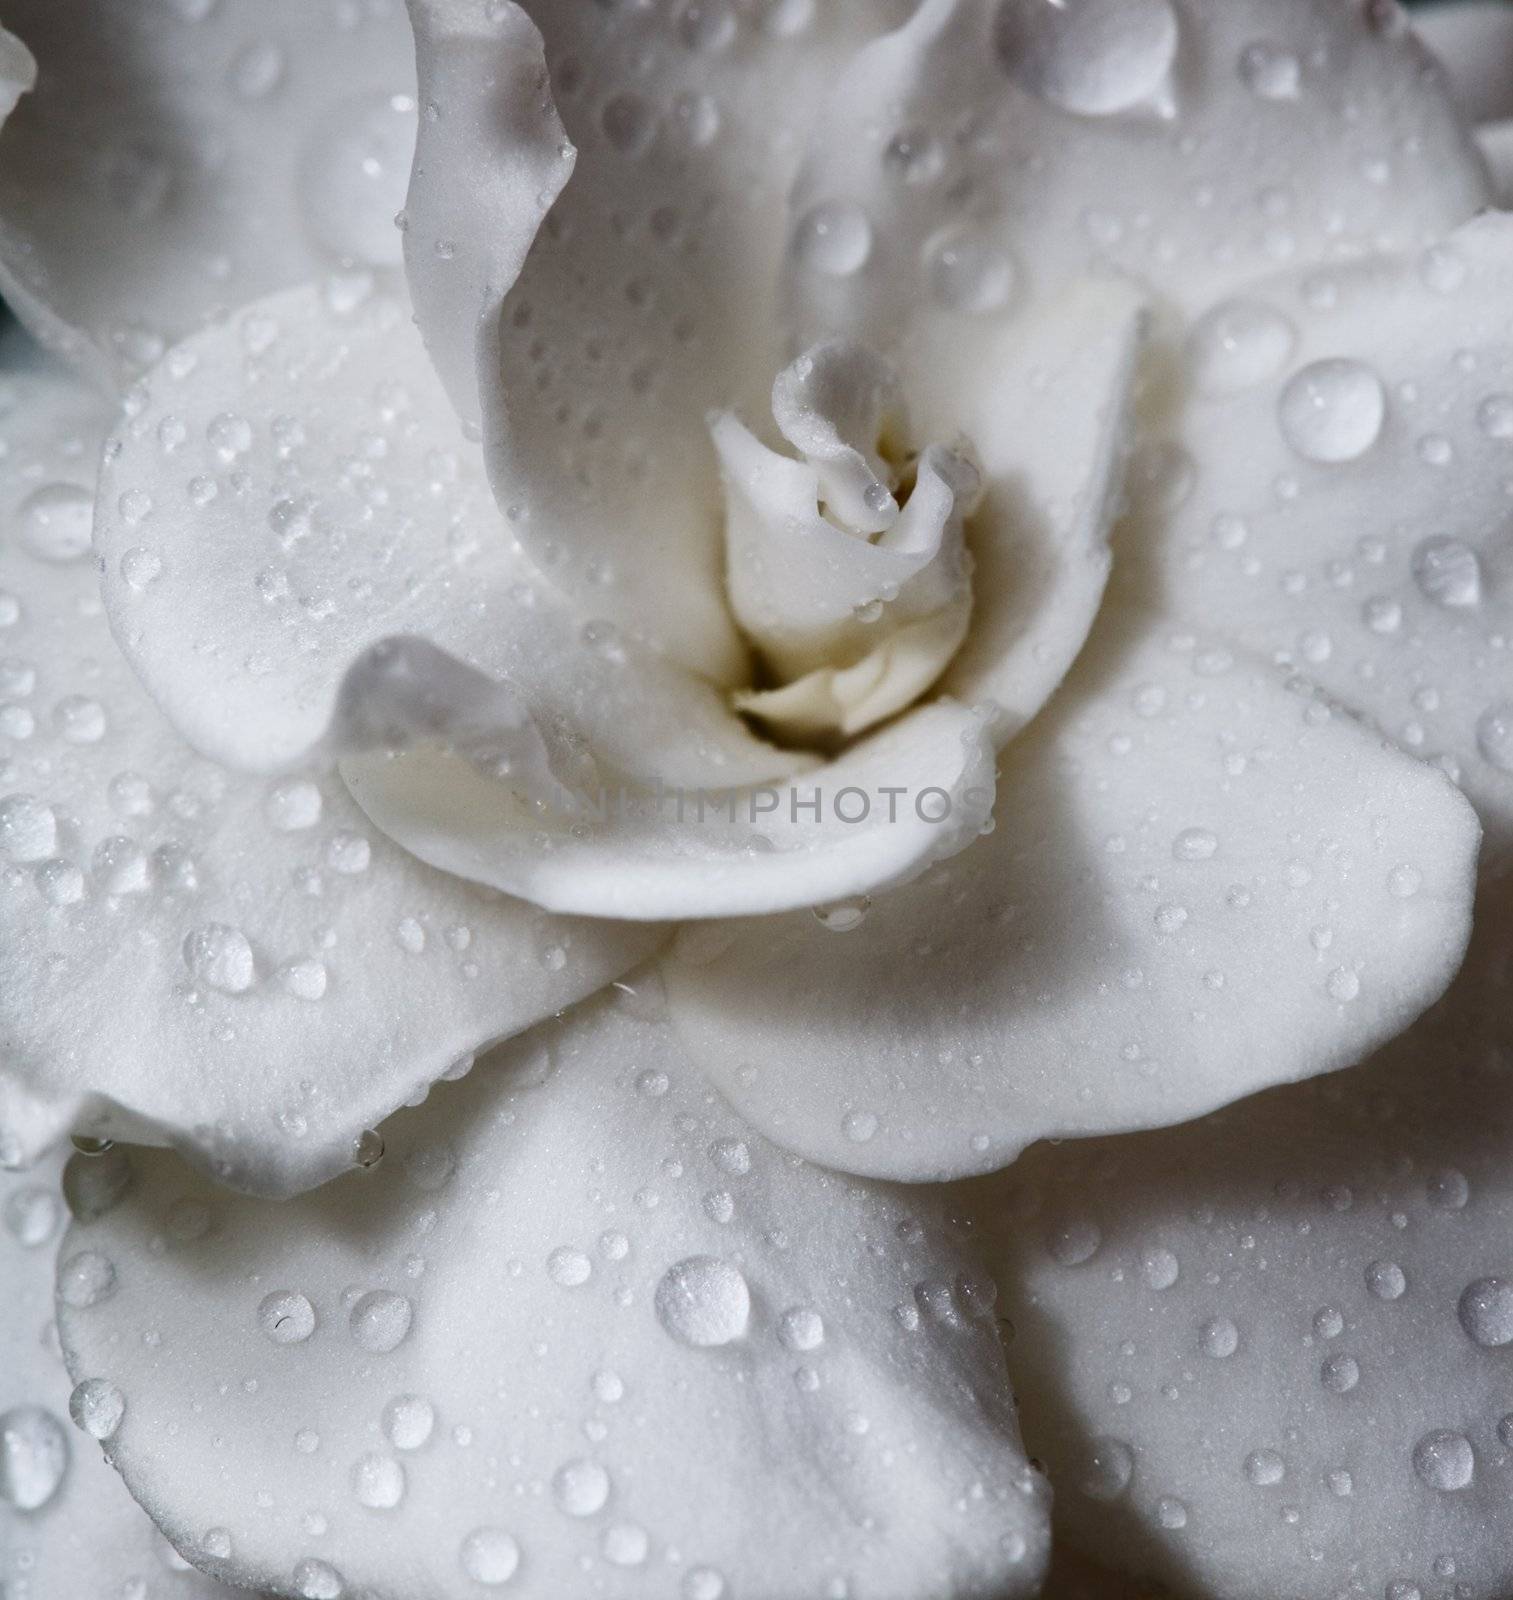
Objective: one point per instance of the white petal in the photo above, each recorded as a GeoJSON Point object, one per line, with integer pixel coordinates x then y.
{"type": "Point", "coordinates": [648, 299]}
{"type": "Point", "coordinates": [1193, 145]}
{"type": "Point", "coordinates": [1288, 1324]}
{"type": "Point", "coordinates": [1198, 885]}
{"type": "Point", "coordinates": [641, 849]}
{"type": "Point", "coordinates": [305, 495]}
{"type": "Point", "coordinates": [87, 1536]}
{"type": "Point", "coordinates": [244, 968]}
{"type": "Point", "coordinates": [1350, 436]}
{"type": "Point", "coordinates": [183, 156]}
{"type": "Point", "coordinates": [588, 1333]}
{"type": "Point", "coordinates": [1473, 41]}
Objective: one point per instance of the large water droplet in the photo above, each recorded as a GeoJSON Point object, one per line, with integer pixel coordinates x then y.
{"type": "Point", "coordinates": [286, 1316]}
{"type": "Point", "coordinates": [489, 1556]}
{"type": "Point", "coordinates": [1444, 1460]}
{"type": "Point", "coordinates": [1108, 1469]}
{"type": "Point", "coordinates": [220, 956]}
{"type": "Point", "coordinates": [1332, 411]}
{"type": "Point", "coordinates": [33, 1457]}
{"type": "Point", "coordinates": [580, 1488]}
{"type": "Point", "coordinates": [1093, 57]}
{"type": "Point", "coordinates": [380, 1320]}
{"type": "Point", "coordinates": [354, 174]}
{"type": "Point", "coordinates": [1486, 1312]}
{"type": "Point", "coordinates": [703, 1301]}
{"type": "Point", "coordinates": [833, 239]}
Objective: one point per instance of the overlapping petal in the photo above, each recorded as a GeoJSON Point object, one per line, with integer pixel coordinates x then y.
{"type": "Point", "coordinates": [181, 157]}
{"type": "Point", "coordinates": [1350, 439]}
{"type": "Point", "coordinates": [582, 1329]}
{"type": "Point", "coordinates": [244, 968]}
{"type": "Point", "coordinates": [1267, 1353]}
{"type": "Point", "coordinates": [1199, 884]}
{"type": "Point", "coordinates": [991, 149]}
{"type": "Point", "coordinates": [67, 1524]}
{"type": "Point", "coordinates": [648, 298]}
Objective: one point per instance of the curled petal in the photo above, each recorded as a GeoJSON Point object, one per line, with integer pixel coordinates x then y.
{"type": "Point", "coordinates": [1198, 885]}
{"type": "Point", "coordinates": [177, 158]}
{"type": "Point", "coordinates": [243, 968]}
{"type": "Point", "coordinates": [581, 1326]}
{"type": "Point", "coordinates": [1267, 1353]}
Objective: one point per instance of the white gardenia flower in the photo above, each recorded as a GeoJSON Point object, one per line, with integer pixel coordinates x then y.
{"type": "Point", "coordinates": [862, 586]}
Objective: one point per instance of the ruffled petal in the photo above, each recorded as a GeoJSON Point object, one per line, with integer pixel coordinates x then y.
{"type": "Point", "coordinates": [1199, 885]}
{"type": "Point", "coordinates": [245, 969]}
{"type": "Point", "coordinates": [1267, 1353]}
{"type": "Point", "coordinates": [991, 151]}
{"type": "Point", "coordinates": [67, 1525]}
{"type": "Point", "coordinates": [180, 157]}
{"type": "Point", "coordinates": [647, 300]}
{"type": "Point", "coordinates": [581, 1333]}
{"type": "Point", "coordinates": [1349, 436]}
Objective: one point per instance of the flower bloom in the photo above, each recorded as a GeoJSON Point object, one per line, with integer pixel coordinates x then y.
{"type": "Point", "coordinates": [861, 586]}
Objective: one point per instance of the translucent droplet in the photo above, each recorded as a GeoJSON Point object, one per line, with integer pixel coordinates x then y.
{"type": "Point", "coordinates": [703, 1301]}
{"type": "Point", "coordinates": [378, 1482]}
{"type": "Point", "coordinates": [86, 1279]}
{"type": "Point", "coordinates": [380, 1320]}
{"type": "Point", "coordinates": [315, 1580]}
{"type": "Point", "coordinates": [1219, 1338]}
{"type": "Point", "coordinates": [969, 272]}
{"type": "Point", "coordinates": [844, 916]}
{"type": "Point", "coordinates": [1444, 1460]}
{"type": "Point", "coordinates": [97, 1406]}
{"type": "Point", "coordinates": [28, 829]}
{"type": "Point", "coordinates": [1092, 57]}
{"type": "Point", "coordinates": [1332, 411]}
{"type": "Point", "coordinates": [1486, 1312]}
{"type": "Point", "coordinates": [1264, 1468]}
{"type": "Point", "coordinates": [1109, 1466]}
{"type": "Point", "coordinates": [1494, 735]}
{"type": "Point", "coordinates": [408, 1421]}
{"type": "Point", "coordinates": [32, 1216]}
{"type": "Point", "coordinates": [353, 177]}
{"type": "Point", "coordinates": [801, 1328]}
{"type": "Point", "coordinates": [1340, 1373]}
{"type": "Point", "coordinates": [580, 1488]}
{"type": "Point", "coordinates": [1194, 844]}
{"type": "Point", "coordinates": [57, 522]}
{"type": "Point", "coordinates": [1386, 1280]}
{"type": "Point", "coordinates": [1270, 72]}
{"type": "Point", "coordinates": [1160, 1269]}
{"type": "Point", "coordinates": [1448, 572]}
{"type": "Point", "coordinates": [489, 1556]}
{"type": "Point", "coordinates": [625, 1544]}
{"type": "Point", "coordinates": [1237, 345]}
{"type": "Point", "coordinates": [33, 1457]}
{"type": "Point", "coordinates": [833, 239]}
{"type": "Point", "coordinates": [293, 805]}
{"type": "Point", "coordinates": [569, 1268]}
{"type": "Point", "coordinates": [286, 1317]}
{"type": "Point", "coordinates": [219, 955]}
{"type": "Point", "coordinates": [859, 1126]}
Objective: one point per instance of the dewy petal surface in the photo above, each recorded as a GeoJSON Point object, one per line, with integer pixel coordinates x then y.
{"type": "Point", "coordinates": [585, 1333]}
{"type": "Point", "coordinates": [1199, 884]}
{"type": "Point", "coordinates": [648, 299]}
{"type": "Point", "coordinates": [182, 156]}
{"type": "Point", "coordinates": [88, 1536]}
{"type": "Point", "coordinates": [993, 149]}
{"type": "Point", "coordinates": [1268, 1352]}
{"type": "Point", "coordinates": [1350, 434]}
{"type": "Point", "coordinates": [244, 968]}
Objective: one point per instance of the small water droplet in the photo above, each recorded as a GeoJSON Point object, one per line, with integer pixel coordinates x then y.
{"type": "Point", "coordinates": [286, 1317]}
{"type": "Point", "coordinates": [219, 955]}
{"type": "Point", "coordinates": [97, 1406]}
{"type": "Point", "coordinates": [833, 239]}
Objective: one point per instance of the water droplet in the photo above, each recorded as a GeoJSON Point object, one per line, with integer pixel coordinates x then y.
{"type": "Point", "coordinates": [1340, 1373]}
{"type": "Point", "coordinates": [914, 155]}
{"type": "Point", "coordinates": [1444, 1460]}
{"type": "Point", "coordinates": [220, 956]}
{"type": "Point", "coordinates": [1219, 1338]}
{"type": "Point", "coordinates": [844, 916]}
{"type": "Point", "coordinates": [378, 1482]}
{"type": "Point", "coordinates": [57, 522]}
{"type": "Point", "coordinates": [28, 829]}
{"type": "Point", "coordinates": [1092, 57]}
{"type": "Point", "coordinates": [703, 1301]}
{"type": "Point", "coordinates": [1237, 345]}
{"type": "Point", "coordinates": [1448, 572]}
{"type": "Point", "coordinates": [801, 1328]}
{"type": "Point", "coordinates": [353, 177]}
{"type": "Point", "coordinates": [580, 1488]}
{"type": "Point", "coordinates": [32, 1216]}
{"type": "Point", "coordinates": [315, 1580]}
{"type": "Point", "coordinates": [1386, 1280]}
{"type": "Point", "coordinates": [292, 805]}
{"type": "Point", "coordinates": [1486, 1312]}
{"type": "Point", "coordinates": [1494, 738]}
{"type": "Point", "coordinates": [859, 1126]}
{"type": "Point", "coordinates": [380, 1320]}
{"type": "Point", "coordinates": [625, 1544]}
{"type": "Point", "coordinates": [489, 1556]}
{"type": "Point", "coordinates": [368, 1149]}
{"type": "Point", "coordinates": [408, 1421]}
{"type": "Point", "coordinates": [1160, 1269]}
{"type": "Point", "coordinates": [286, 1317]}
{"type": "Point", "coordinates": [1332, 411]}
{"type": "Point", "coordinates": [968, 272]}
{"type": "Point", "coordinates": [33, 1457]}
{"type": "Point", "coordinates": [1194, 844]}
{"type": "Point", "coordinates": [97, 1406]}
{"type": "Point", "coordinates": [79, 720]}
{"type": "Point", "coordinates": [1171, 1512]}
{"type": "Point", "coordinates": [305, 979]}
{"type": "Point", "coordinates": [1071, 1243]}
{"type": "Point", "coordinates": [1108, 1469]}
{"type": "Point", "coordinates": [86, 1279]}
{"type": "Point", "coordinates": [1270, 72]}
{"type": "Point", "coordinates": [1264, 1468]}
{"type": "Point", "coordinates": [629, 123]}
{"type": "Point", "coordinates": [569, 1268]}
{"type": "Point", "coordinates": [833, 239]}
{"type": "Point", "coordinates": [703, 1583]}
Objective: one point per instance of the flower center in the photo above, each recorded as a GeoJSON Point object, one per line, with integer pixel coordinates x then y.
{"type": "Point", "coordinates": [847, 569]}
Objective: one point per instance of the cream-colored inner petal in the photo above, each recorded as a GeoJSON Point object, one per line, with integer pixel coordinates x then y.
{"type": "Point", "coordinates": [847, 569]}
